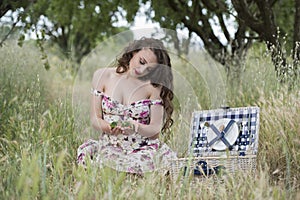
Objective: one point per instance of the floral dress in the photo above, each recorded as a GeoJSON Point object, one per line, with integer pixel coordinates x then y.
{"type": "Point", "coordinates": [128, 153]}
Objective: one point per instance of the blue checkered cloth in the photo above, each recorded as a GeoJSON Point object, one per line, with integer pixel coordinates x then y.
{"type": "Point", "coordinates": [247, 119]}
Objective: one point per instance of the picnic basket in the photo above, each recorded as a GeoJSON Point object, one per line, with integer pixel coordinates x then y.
{"type": "Point", "coordinates": [237, 153]}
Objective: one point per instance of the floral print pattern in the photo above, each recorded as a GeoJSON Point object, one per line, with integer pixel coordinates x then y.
{"type": "Point", "coordinates": [129, 153]}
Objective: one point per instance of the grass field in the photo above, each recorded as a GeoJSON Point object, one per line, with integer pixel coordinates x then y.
{"type": "Point", "coordinates": [41, 126]}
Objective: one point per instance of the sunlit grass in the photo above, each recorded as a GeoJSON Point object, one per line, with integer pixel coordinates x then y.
{"type": "Point", "coordinates": [39, 136]}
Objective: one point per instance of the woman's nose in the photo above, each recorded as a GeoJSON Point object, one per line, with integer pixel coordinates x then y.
{"type": "Point", "coordinates": [141, 68]}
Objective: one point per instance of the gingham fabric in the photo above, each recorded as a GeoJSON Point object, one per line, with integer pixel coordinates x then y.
{"type": "Point", "coordinates": [247, 119]}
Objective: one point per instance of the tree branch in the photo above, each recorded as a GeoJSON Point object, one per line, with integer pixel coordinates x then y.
{"type": "Point", "coordinates": [223, 27]}
{"type": "Point", "coordinates": [4, 10]}
{"type": "Point", "coordinates": [209, 5]}
{"type": "Point", "coordinates": [246, 16]}
{"type": "Point", "coordinates": [8, 34]}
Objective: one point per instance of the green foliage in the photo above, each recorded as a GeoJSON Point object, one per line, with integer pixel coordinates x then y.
{"type": "Point", "coordinates": [76, 26]}
{"type": "Point", "coordinates": [32, 131]}
{"type": "Point", "coordinates": [285, 12]}
{"type": "Point", "coordinates": [240, 23]}
{"type": "Point", "coordinates": [12, 5]}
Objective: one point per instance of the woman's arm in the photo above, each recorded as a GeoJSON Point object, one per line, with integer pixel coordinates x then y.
{"type": "Point", "coordinates": [152, 129]}
{"type": "Point", "coordinates": [96, 115]}
{"type": "Point", "coordinates": [96, 109]}
{"type": "Point", "coordinates": [98, 123]}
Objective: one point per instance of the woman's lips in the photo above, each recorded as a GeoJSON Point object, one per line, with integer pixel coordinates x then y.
{"type": "Point", "coordinates": [137, 72]}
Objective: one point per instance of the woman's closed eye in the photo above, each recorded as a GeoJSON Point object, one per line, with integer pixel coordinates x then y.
{"type": "Point", "coordinates": [143, 61]}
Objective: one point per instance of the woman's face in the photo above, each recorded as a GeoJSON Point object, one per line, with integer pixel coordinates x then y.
{"type": "Point", "coordinates": [142, 62]}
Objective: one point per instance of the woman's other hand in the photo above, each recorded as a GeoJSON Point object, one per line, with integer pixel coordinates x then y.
{"type": "Point", "coordinates": [117, 130]}
{"type": "Point", "coordinates": [125, 127]}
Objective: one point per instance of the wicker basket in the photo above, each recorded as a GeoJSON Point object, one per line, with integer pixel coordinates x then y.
{"type": "Point", "coordinates": [185, 166]}
{"type": "Point", "coordinates": [240, 157]}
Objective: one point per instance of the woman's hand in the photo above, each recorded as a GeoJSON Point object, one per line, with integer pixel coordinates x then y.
{"type": "Point", "coordinates": [105, 126]}
{"type": "Point", "coordinates": [132, 127]}
{"type": "Point", "coordinates": [117, 130]}
{"type": "Point", "coordinates": [126, 128]}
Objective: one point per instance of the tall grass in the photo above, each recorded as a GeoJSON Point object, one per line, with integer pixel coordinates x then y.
{"type": "Point", "coordinates": [39, 136]}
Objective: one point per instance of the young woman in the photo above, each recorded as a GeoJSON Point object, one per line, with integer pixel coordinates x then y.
{"type": "Point", "coordinates": [131, 105]}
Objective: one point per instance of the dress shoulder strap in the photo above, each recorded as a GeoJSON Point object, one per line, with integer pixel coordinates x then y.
{"type": "Point", "coordinates": [96, 92]}
{"type": "Point", "coordinates": [156, 102]}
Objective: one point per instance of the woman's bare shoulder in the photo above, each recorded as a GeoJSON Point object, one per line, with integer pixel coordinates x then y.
{"type": "Point", "coordinates": [101, 75]}
{"type": "Point", "coordinates": [104, 72]}
{"type": "Point", "coordinates": [155, 92]}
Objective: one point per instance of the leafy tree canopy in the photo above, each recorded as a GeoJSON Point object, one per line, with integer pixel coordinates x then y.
{"type": "Point", "coordinates": [76, 26]}
{"type": "Point", "coordinates": [253, 20]}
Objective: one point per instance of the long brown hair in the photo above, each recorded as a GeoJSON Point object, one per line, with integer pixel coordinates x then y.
{"type": "Point", "coordinates": [161, 75]}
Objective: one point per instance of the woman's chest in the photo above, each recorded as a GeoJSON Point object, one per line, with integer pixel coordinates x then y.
{"type": "Point", "coordinates": [127, 91]}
